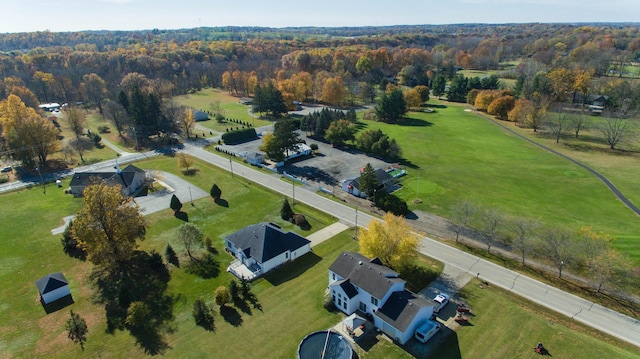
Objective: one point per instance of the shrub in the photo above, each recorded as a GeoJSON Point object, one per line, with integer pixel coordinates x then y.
{"type": "Point", "coordinates": [301, 221]}
{"type": "Point", "coordinates": [314, 146]}
{"type": "Point", "coordinates": [392, 203]}
{"type": "Point", "coordinates": [4, 179]}
{"type": "Point", "coordinates": [222, 296]}
{"type": "Point", "coordinates": [104, 129]}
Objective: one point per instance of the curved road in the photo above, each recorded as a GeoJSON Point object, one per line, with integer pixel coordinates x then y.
{"type": "Point", "coordinates": [601, 177]}
{"type": "Point", "coordinates": [613, 323]}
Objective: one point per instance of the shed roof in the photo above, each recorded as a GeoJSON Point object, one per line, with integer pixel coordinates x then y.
{"type": "Point", "coordinates": [51, 282]}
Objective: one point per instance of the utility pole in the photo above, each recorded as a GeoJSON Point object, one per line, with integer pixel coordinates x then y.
{"type": "Point", "coordinates": [35, 158]}
{"type": "Point", "coordinates": [190, 197]}
{"type": "Point", "coordinates": [356, 223]}
{"type": "Point", "coordinates": [231, 166]}
{"type": "Point", "coordinates": [293, 193]}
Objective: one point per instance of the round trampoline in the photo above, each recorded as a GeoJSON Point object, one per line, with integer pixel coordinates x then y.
{"type": "Point", "coordinates": [324, 344]}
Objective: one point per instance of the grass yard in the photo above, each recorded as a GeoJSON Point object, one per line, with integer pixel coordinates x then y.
{"type": "Point", "coordinates": [31, 251]}
{"type": "Point", "coordinates": [233, 109]}
{"type": "Point", "coordinates": [454, 155]}
{"type": "Point", "coordinates": [507, 326]}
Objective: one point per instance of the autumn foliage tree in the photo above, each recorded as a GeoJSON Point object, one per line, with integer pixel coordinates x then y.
{"type": "Point", "coordinates": [391, 240]}
{"type": "Point", "coordinates": [501, 106]}
{"type": "Point", "coordinates": [26, 132]}
{"type": "Point", "coordinates": [108, 226]}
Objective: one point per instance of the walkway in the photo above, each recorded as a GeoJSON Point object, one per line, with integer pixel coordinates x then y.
{"type": "Point", "coordinates": [326, 233]}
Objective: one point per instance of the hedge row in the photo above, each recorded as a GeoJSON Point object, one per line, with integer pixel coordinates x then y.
{"type": "Point", "coordinates": [239, 136]}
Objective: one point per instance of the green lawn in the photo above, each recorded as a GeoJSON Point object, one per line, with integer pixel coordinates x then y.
{"type": "Point", "coordinates": [453, 155]}
{"type": "Point", "coordinates": [233, 109]}
{"type": "Point", "coordinates": [506, 326]}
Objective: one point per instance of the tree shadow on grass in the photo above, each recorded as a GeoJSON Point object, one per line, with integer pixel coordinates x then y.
{"type": "Point", "coordinates": [231, 315]}
{"type": "Point", "coordinates": [221, 202]}
{"type": "Point", "coordinates": [205, 267]}
{"type": "Point", "coordinates": [242, 305]}
{"type": "Point", "coordinates": [190, 172]}
{"type": "Point", "coordinates": [292, 269]}
{"type": "Point", "coordinates": [414, 122]}
{"type": "Point", "coordinates": [183, 216]}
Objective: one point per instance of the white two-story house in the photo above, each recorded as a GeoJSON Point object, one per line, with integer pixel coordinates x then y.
{"type": "Point", "coordinates": [357, 283]}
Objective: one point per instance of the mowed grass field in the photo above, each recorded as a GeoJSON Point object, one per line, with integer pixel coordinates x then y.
{"type": "Point", "coordinates": [455, 155]}
{"type": "Point", "coordinates": [233, 109]}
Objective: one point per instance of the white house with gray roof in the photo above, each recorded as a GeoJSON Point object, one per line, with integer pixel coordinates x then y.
{"type": "Point", "coordinates": [357, 283]}
{"type": "Point", "coordinates": [261, 247]}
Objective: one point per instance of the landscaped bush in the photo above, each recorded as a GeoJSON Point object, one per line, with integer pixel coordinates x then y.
{"type": "Point", "coordinates": [239, 136]}
{"type": "Point", "coordinates": [392, 203]}
{"type": "Point", "coordinates": [286, 212]}
{"type": "Point", "coordinates": [301, 221]}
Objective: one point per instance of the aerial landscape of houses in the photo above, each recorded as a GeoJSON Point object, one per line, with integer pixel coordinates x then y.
{"type": "Point", "coordinates": [319, 183]}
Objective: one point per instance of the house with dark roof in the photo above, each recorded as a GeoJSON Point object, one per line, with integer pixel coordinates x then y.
{"type": "Point", "coordinates": [357, 283]}
{"type": "Point", "coordinates": [261, 247]}
{"type": "Point", "coordinates": [52, 287]}
{"type": "Point", "coordinates": [385, 180]}
{"type": "Point", "coordinates": [130, 179]}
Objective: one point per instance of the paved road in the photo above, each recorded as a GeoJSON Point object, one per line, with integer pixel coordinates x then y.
{"type": "Point", "coordinates": [594, 315]}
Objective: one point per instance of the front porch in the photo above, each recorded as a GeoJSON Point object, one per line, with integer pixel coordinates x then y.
{"type": "Point", "coordinates": [241, 271]}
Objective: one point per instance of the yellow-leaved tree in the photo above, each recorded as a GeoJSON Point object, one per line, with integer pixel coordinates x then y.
{"type": "Point", "coordinates": [108, 226]}
{"type": "Point", "coordinates": [392, 241]}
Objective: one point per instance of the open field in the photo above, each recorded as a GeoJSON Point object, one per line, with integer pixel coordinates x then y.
{"type": "Point", "coordinates": [454, 155]}
{"type": "Point", "coordinates": [233, 109]}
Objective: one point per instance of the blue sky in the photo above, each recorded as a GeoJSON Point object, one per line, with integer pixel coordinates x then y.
{"type": "Point", "coordinates": [72, 15]}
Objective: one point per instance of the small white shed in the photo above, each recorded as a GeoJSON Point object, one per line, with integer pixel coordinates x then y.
{"type": "Point", "coordinates": [53, 287]}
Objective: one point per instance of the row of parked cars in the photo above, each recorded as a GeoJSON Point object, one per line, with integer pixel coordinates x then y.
{"type": "Point", "coordinates": [431, 327]}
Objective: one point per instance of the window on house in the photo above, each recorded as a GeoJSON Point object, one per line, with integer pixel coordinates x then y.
{"type": "Point", "coordinates": [334, 298]}
{"type": "Point", "coordinates": [334, 276]}
{"type": "Point", "coordinates": [286, 255]}
{"type": "Point", "coordinates": [374, 301]}
{"type": "Point", "coordinates": [339, 301]}
{"type": "Point", "coordinates": [345, 305]}
{"type": "Point", "coordinates": [363, 307]}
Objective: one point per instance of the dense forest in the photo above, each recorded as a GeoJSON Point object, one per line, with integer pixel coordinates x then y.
{"type": "Point", "coordinates": [547, 63]}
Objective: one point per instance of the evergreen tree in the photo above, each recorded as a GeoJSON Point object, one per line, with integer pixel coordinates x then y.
{"type": "Point", "coordinates": [175, 204]}
{"type": "Point", "coordinates": [171, 256]}
{"type": "Point", "coordinates": [77, 329]}
{"type": "Point", "coordinates": [391, 107]}
{"type": "Point", "coordinates": [215, 191]}
{"type": "Point", "coordinates": [439, 85]}
{"type": "Point", "coordinates": [368, 182]}
{"type": "Point", "coordinates": [286, 212]}
{"type": "Point", "coordinates": [458, 89]}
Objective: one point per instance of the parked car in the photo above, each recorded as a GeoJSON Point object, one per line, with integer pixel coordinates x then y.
{"type": "Point", "coordinates": [441, 301]}
{"type": "Point", "coordinates": [427, 330]}
{"type": "Point", "coordinates": [6, 169]}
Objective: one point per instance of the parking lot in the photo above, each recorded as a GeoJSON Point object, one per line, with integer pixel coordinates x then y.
{"type": "Point", "coordinates": [327, 168]}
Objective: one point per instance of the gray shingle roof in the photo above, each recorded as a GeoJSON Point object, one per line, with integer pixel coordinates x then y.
{"type": "Point", "coordinates": [264, 241]}
{"type": "Point", "coordinates": [51, 282]}
{"type": "Point", "coordinates": [364, 273]}
{"type": "Point", "coordinates": [401, 308]}
{"type": "Point", "coordinates": [348, 288]}
{"type": "Point", "coordinates": [124, 178]}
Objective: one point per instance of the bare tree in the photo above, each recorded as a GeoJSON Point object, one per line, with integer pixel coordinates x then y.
{"type": "Point", "coordinates": [81, 145]}
{"type": "Point", "coordinates": [117, 114]}
{"type": "Point", "coordinates": [492, 219]}
{"type": "Point", "coordinates": [613, 129]}
{"type": "Point", "coordinates": [462, 213]}
{"type": "Point", "coordinates": [76, 120]}
{"type": "Point", "coordinates": [558, 246]}
{"type": "Point", "coordinates": [524, 230]}
{"type": "Point", "coordinates": [557, 124]}
{"type": "Point", "coordinates": [578, 122]}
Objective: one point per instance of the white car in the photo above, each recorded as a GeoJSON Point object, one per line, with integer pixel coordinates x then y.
{"type": "Point", "coordinates": [441, 300]}
{"type": "Point", "coordinates": [6, 169]}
